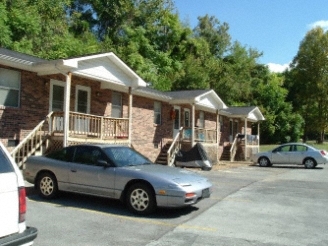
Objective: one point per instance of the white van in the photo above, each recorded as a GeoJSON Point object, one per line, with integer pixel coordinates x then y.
{"type": "Point", "coordinates": [13, 230]}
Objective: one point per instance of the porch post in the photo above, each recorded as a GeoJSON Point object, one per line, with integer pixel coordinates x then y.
{"type": "Point", "coordinates": [258, 134]}
{"type": "Point", "coordinates": [67, 107]}
{"type": "Point", "coordinates": [218, 129]}
{"type": "Point", "coordinates": [192, 125]}
{"type": "Point", "coordinates": [245, 137]}
{"type": "Point", "coordinates": [130, 115]}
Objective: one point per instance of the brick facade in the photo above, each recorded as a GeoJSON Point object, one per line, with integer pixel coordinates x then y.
{"type": "Point", "coordinates": [147, 137]}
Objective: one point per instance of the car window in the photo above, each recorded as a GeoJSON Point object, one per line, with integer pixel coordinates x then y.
{"type": "Point", "coordinates": [300, 148]}
{"type": "Point", "coordinates": [285, 148]}
{"type": "Point", "coordinates": [5, 164]}
{"type": "Point", "coordinates": [88, 155]}
{"type": "Point", "coordinates": [124, 156]}
{"type": "Point", "coordinates": [64, 154]}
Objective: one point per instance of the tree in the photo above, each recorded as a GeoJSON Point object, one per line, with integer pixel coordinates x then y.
{"type": "Point", "coordinates": [215, 33]}
{"type": "Point", "coordinates": [308, 82]}
{"type": "Point", "coordinates": [281, 123]}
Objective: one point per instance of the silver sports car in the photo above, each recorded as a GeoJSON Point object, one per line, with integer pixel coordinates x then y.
{"type": "Point", "coordinates": [117, 172]}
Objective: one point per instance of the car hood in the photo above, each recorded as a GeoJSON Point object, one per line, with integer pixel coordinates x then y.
{"type": "Point", "coordinates": [177, 175]}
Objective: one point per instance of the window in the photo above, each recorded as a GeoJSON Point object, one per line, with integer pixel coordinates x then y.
{"type": "Point", "coordinates": [201, 119]}
{"type": "Point", "coordinates": [9, 87]}
{"type": "Point", "coordinates": [116, 105]}
{"type": "Point", "coordinates": [186, 117]}
{"type": "Point", "coordinates": [157, 113]}
{"type": "Point", "coordinates": [57, 102]}
{"type": "Point", "coordinates": [221, 123]}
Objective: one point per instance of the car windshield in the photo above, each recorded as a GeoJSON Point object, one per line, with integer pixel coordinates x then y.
{"type": "Point", "coordinates": [125, 156]}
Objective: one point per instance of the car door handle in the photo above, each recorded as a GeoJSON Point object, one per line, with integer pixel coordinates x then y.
{"type": "Point", "coordinates": [73, 171]}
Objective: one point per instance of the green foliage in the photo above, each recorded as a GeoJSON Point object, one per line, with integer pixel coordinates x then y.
{"type": "Point", "coordinates": [308, 81]}
{"type": "Point", "coordinates": [149, 36]}
{"type": "Point", "coordinates": [281, 124]}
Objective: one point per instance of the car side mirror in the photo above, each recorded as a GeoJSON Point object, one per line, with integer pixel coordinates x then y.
{"type": "Point", "coordinates": [103, 163]}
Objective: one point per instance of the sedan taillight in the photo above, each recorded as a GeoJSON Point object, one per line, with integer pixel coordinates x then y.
{"type": "Point", "coordinates": [22, 204]}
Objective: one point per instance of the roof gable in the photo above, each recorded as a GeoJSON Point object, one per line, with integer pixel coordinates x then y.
{"type": "Point", "coordinates": [252, 113]}
{"type": "Point", "coordinates": [105, 67]}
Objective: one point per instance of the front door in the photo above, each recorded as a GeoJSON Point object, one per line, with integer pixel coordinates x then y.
{"type": "Point", "coordinates": [176, 121]}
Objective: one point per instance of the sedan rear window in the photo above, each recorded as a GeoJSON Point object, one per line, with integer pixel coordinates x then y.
{"type": "Point", "coordinates": [5, 165]}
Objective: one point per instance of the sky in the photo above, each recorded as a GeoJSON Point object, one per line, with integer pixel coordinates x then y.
{"type": "Point", "coordinates": [274, 27]}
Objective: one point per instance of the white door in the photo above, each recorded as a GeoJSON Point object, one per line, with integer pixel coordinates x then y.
{"type": "Point", "coordinates": [176, 121]}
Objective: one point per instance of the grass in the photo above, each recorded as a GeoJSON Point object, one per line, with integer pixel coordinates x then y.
{"type": "Point", "coordinates": [266, 147]}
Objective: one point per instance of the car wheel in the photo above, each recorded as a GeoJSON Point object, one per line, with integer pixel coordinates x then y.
{"type": "Point", "coordinates": [141, 199]}
{"type": "Point", "coordinates": [264, 162]}
{"type": "Point", "coordinates": [47, 185]}
{"type": "Point", "coordinates": [309, 163]}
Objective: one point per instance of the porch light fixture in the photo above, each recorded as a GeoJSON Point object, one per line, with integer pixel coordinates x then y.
{"type": "Point", "coordinates": [98, 94]}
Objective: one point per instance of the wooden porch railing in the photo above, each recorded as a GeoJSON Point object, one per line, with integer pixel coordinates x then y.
{"type": "Point", "coordinates": [87, 125]}
{"type": "Point", "coordinates": [249, 141]}
{"type": "Point", "coordinates": [80, 125]}
{"type": "Point", "coordinates": [201, 135]}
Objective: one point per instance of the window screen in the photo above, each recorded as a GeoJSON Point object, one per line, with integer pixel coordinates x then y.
{"type": "Point", "coordinates": [116, 105]}
{"type": "Point", "coordinates": [9, 87]}
{"type": "Point", "coordinates": [157, 113]}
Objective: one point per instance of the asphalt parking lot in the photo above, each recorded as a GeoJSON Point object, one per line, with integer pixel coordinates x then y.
{"type": "Point", "coordinates": [284, 205]}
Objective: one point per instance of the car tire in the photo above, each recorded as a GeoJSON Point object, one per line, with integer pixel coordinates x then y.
{"type": "Point", "coordinates": [264, 162]}
{"type": "Point", "coordinates": [47, 185]}
{"type": "Point", "coordinates": [309, 163]}
{"type": "Point", "coordinates": [140, 199]}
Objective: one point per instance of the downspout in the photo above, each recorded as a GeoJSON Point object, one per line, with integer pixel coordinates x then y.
{"type": "Point", "coordinates": [67, 107]}
{"type": "Point", "coordinates": [258, 136]}
{"type": "Point", "coordinates": [130, 115]}
{"type": "Point", "coordinates": [193, 125]}
{"type": "Point", "coordinates": [218, 129]}
{"type": "Point", "coordinates": [245, 137]}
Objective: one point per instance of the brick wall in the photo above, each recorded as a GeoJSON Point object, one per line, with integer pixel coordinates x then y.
{"type": "Point", "coordinates": [16, 123]}
{"type": "Point", "coordinates": [147, 137]}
